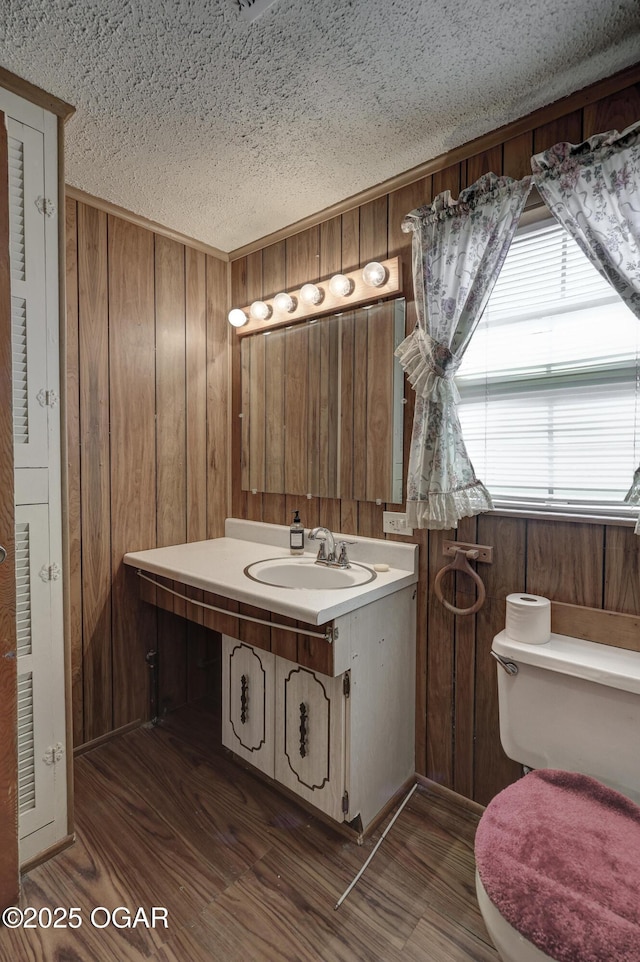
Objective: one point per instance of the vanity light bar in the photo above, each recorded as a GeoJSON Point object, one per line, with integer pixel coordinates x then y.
{"type": "Point", "coordinates": [341, 292]}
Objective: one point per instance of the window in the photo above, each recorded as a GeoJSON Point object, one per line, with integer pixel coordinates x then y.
{"type": "Point", "coordinates": [549, 383]}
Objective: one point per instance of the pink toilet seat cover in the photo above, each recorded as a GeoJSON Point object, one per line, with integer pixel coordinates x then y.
{"type": "Point", "coordinates": [559, 856]}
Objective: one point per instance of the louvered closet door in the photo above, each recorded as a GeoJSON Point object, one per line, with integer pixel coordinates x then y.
{"type": "Point", "coordinates": [9, 858]}
{"type": "Point", "coordinates": [32, 152]}
{"type": "Point", "coordinates": [28, 295]}
{"type": "Point", "coordinates": [36, 771]}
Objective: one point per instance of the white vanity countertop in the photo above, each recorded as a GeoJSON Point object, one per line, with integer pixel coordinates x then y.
{"type": "Point", "coordinates": [218, 566]}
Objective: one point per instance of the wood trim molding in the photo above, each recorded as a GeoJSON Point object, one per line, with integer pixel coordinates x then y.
{"type": "Point", "coordinates": [596, 624]}
{"type": "Point", "coordinates": [48, 853]}
{"type": "Point", "coordinates": [105, 205]}
{"type": "Point", "coordinates": [494, 138]}
{"type": "Point", "coordinates": [36, 95]}
{"type": "Point", "coordinates": [461, 802]}
{"type": "Point", "coordinates": [103, 739]}
{"type": "Point", "coordinates": [394, 801]}
{"type": "Point", "coordinates": [64, 472]}
{"type": "Point", "coordinates": [533, 515]}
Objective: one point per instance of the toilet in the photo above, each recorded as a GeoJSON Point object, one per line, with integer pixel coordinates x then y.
{"type": "Point", "coordinates": [558, 852]}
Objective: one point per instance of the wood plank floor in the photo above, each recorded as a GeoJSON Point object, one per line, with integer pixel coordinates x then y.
{"type": "Point", "coordinates": [167, 818]}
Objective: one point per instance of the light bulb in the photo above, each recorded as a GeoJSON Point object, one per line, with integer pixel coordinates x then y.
{"type": "Point", "coordinates": [237, 317]}
{"type": "Point", "coordinates": [374, 274]}
{"type": "Point", "coordinates": [284, 302]}
{"type": "Point", "coordinates": [340, 285]}
{"type": "Point", "coordinates": [260, 311]}
{"type": "Point", "coordinates": [310, 294]}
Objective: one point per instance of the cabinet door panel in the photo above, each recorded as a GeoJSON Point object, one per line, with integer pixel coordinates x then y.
{"type": "Point", "coordinates": [36, 749]}
{"type": "Point", "coordinates": [247, 702]}
{"type": "Point", "coordinates": [28, 295]}
{"type": "Point", "coordinates": [310, 735]}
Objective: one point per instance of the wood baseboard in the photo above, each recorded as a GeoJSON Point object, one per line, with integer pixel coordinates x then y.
{"type": "Point", "coordinates": [48, 853]}
{"type": "Point", "coordinates": [103, 739]}
{"type": "Point", "coordinates": [392, 804]}
{"type": "Point", "coordinates": [459, 801]}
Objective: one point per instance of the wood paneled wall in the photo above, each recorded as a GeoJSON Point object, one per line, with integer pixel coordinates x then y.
{"type": "Point", "coordinates": [147, 407]}
{"type": "Point", "coordinates": [587, 564]}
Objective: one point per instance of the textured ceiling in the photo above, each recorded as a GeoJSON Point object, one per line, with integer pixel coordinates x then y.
{"type": "Point", "coordinates": [228, 130]}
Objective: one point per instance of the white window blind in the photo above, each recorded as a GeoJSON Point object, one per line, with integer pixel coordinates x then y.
{"type": "Point", "coordinates": [549, 384]}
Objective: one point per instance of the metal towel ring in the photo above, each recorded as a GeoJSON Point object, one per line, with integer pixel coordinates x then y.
{"type": "Point", "coordinates": [461, 563]}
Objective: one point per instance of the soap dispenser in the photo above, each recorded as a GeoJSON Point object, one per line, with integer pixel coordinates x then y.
{"type": "Point", "coordinates": [296, 535]}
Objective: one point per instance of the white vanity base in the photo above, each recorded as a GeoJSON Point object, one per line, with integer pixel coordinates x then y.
{"type": "Point", "coordinates": [323, 704]}
{"type": "Point", "coordinates": [346, 744]}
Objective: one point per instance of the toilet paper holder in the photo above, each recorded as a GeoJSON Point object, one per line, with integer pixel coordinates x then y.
{"type": "Point", "coordinates": [462, 554]}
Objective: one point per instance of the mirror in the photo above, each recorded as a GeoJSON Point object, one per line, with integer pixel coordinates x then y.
{"type": "Point", "coordinates": [322, 406]}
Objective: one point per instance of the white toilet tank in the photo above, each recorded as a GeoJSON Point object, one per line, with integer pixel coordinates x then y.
{"type": "Point", "coordinates": [573, 705]}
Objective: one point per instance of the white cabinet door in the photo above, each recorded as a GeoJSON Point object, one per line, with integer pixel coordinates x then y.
{"type": "Point", "coordinates": [28, 295]}
{"type": "Point", "coordinates": [311, 724]}
{"type": "Point", "coordinates": [33, 238]}
{"type": "Point", "coordinates": [36, 749]}
{"type": "Point", "coordinates": [248, 703]}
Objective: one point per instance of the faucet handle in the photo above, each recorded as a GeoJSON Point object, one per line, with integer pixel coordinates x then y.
{"type": "Point", "coordinates": [322, 550]}
{"type": "Point", "coordinates": [343, 558]}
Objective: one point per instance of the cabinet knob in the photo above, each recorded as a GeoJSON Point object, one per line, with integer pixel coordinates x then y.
{"type": "Point", "coordinates": [3, 553]}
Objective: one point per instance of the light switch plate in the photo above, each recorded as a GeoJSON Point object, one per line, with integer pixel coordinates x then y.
{"type": "Point", "coordinates": [394, 522]}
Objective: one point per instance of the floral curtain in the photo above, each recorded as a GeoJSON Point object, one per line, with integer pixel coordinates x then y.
{"type": "Point", "coordinates": [593, 190]}
{"type": "Point", "coordinates": [458, 250]}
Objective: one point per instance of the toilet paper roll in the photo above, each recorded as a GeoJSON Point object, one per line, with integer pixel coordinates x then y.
{"type": "Point", "coordinates": [528, 619]}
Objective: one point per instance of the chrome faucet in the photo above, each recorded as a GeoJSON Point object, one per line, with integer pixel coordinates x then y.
{"type": "Point", "coordinates": [327, 549]}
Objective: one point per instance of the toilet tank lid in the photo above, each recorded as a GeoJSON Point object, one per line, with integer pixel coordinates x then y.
{"type": "Point", "coordinates": [603, 664]}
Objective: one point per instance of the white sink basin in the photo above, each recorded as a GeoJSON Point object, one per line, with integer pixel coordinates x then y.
{"type": "Point", "coordinates": [305, 573]}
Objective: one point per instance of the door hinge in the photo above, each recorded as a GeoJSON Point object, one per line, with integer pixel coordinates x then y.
{"type": "Point", "coordinates": [45, 398]}
{"type": "Point", "coordinates": [53, 754]}
{"type": "Point", "coordinates": [346, 684]}
{"type": "Point", "coordinates": [45, 206]}
{"type": "Point", "coordinates": [331, 633]}
{"type": "Point", "coordinates": [345, 803]}
{"type": "Point", "coordinates": [50, 572]}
